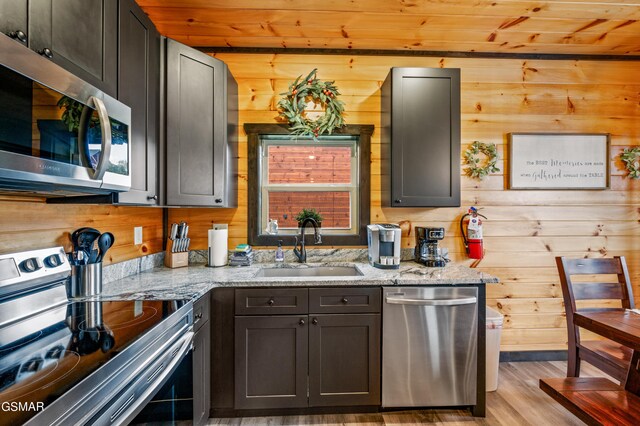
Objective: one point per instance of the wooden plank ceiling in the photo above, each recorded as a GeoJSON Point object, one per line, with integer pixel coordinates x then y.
{"type": "Point", "coordinates": [575, 27]}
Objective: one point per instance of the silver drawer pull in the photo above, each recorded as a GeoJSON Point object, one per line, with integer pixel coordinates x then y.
{"type": "Point", "coordinates": [431, 302]}
{"type": "Point", "coordinates": [155, 373]}
{"type": "Point", "coordinates": [122, 408]}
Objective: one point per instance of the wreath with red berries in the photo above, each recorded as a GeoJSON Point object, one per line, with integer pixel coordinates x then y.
{"type": "Point", "coordinates": [310, 89]}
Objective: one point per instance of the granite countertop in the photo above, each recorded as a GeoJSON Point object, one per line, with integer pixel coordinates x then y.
{"type": "Point", "coordinates": [194, 281]}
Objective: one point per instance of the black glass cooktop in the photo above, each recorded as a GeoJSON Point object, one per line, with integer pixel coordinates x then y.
{"type": "Point", "coordinates": [43, 356]}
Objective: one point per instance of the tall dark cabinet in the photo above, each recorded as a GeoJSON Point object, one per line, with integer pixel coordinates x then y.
{"type": "Point", "coordinates": [80, 36]}
{"type": "Point", "coordinates": [201, 129]}
{"type": "Point", "coordinates": [420, 125]}
{"type": "Point", "coordinates": [139, 86]}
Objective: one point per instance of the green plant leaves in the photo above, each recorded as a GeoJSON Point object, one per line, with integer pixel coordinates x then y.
{"type": "Point", "coordinates": [631, 159]}
{"type": "Point", "coordinates": [472, 158]}
{"type": "Point", "coordinates": [292, 106]}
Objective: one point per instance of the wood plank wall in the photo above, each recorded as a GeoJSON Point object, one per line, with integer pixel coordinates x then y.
{"type": "Point", "coordinates": [27, 224]}
{"type": "Point", "coordinates": [525, 230]}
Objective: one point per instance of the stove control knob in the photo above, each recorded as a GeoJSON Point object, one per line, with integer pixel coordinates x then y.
{"type": "Point", "coordinates": [31, 265]}
{"type": "Point", "coordinates": [53, 261]}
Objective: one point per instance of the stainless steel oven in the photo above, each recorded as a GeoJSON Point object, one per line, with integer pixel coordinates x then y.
{"type": "Point", "coordinates": [58, 134]}
{"type": "Point", "coordinates": [87, 362]}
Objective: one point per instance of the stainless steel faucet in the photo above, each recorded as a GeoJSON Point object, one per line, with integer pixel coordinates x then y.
{"type": "Point", "coordinates": [302, 253]}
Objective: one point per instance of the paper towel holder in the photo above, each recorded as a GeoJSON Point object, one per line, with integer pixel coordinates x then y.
{"type": "Point", "coordinates": [218, 254]}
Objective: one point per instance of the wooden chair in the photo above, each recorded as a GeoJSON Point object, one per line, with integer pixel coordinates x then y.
{"type": "Point", "coordinates": [608, 356]}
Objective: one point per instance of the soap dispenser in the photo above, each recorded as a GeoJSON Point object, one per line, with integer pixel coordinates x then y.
{"type": "Point", "coordinates": [279, 252]}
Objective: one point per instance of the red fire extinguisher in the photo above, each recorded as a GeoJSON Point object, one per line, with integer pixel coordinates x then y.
{"type": "Point", "coordinates": [473, 237]}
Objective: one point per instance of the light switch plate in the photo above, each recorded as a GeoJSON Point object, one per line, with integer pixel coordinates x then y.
{"type": "Point", "coordinates": [137, 235]}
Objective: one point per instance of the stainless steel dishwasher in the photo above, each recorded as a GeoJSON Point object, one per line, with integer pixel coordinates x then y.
{"type": "Point", "coordinates": [429, 346]}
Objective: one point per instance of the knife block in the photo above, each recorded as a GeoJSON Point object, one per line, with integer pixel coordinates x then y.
{"type": "Point", "coordinates": [175, 260]}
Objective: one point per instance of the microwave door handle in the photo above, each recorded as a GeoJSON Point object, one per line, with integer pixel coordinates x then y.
{"type": "Point", "coordinates": [105, 144]}
{"type": "Point", "coordinates": [105, 128]}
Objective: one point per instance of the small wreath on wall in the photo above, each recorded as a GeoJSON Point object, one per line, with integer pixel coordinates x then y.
{"type": "Point", "coordinates": [472, 159]}
{"type": "Point", "coordinates": [631, 159]}
{"type": "Point", "coordinates": [310, 89]}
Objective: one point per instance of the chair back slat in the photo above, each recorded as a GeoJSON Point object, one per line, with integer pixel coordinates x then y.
{"type": "Point", "coordinates": [594, 291]}
{"type": "Point", "coordinates": [592, 266]}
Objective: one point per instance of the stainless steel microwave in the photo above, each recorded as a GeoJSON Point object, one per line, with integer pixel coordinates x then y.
{"type": "Point", "coordinates": [58, 134]}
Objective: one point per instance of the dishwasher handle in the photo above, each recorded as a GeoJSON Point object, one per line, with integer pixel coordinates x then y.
{"type": "Point", "coordinates": [431, 302]}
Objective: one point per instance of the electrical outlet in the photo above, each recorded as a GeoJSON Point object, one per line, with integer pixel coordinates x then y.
{"type": "Point", "coordinates": [137, 235]}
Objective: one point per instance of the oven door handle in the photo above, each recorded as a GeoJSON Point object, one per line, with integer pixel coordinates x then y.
{"type": "Point", "coordinates": [155, 381]}
{"type": "Point", "coordinates": [105, 144]}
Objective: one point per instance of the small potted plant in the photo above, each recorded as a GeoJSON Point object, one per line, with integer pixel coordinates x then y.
{"type": "Point", "coordinates": [309, 213]}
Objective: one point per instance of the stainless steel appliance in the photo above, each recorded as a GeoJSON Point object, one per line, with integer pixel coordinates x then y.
{"type": "Point", "coordinates": [58, 134]}
{"type": "Point", "coordinates": [384, 245]}
{"type": "Point", "coordinates": [429, 346]}
{"type": "Point", "coordinates": [427, 251]}
{"type": "Point", "coordinates": [81, 361]}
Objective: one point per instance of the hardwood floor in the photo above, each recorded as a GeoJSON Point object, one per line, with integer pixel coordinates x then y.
{"type": "Point", "coordinates": [518, 401]}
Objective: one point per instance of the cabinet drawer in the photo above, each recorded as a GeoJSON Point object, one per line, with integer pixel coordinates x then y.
{"type": "Point", "coordinates": [200, 312]}
{"type": "Point", "coordinates": [344, 300]}
{"type": "Point", "coordinates": [277, 301]}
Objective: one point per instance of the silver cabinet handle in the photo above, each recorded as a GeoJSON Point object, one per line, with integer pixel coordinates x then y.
{"type": "Point", "coordinates": [105, 128]}
{"type": "Point", "coordinates": [431, 302]}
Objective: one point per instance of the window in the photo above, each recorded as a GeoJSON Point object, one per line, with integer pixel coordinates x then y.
{"type": "Point", "coordinates": [330, 175]}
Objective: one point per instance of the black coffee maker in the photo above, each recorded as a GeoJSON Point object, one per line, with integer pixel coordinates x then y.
{"type": "Point", "coordinates": [427, 251]}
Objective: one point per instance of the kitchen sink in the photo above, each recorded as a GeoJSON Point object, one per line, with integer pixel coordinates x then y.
{"type": "Point", "coordinates": [311, 271]}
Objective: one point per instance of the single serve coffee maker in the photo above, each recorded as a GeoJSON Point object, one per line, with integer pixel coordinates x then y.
{"type": "Point", "coordinates": [427, 251]}
{"type": "Point", "coordinates": [384, 245]}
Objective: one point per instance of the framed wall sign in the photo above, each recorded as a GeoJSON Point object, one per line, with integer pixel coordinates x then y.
{"type": "Point", "coordinates": [558, 161]}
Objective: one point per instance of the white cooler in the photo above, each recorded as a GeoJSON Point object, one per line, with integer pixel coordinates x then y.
{"type": "Point", "coordinates": [494, 329]}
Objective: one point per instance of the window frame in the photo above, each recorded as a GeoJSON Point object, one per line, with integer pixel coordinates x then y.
{"type": "Point", "coordinates": [256, 237]}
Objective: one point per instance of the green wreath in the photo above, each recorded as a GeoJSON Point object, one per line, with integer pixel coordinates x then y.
{"type": "Point", "coordinates": [630, 157]}
{"type": "Point", "coordinates": [311, 89]}
{"type": "Point", "coordinates": [472, 159]}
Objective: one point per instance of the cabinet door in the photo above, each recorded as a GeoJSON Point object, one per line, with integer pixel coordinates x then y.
{"type": "Point", "coordinates": [195, 127]}
{"type": "Point", "coordinates": [139, 85]}
{"type": "Point", "coordinates": [81, 36]}
{"type": "Point", "coordinates": [344, 360]}
{"type": "Point", "coordinates": [271, 361]}
{"type": "Point", "coordinates": [201, 374]}
{"type": "Point", "coordinates": [421, 122]}
{"type": "Point", "coordinates": [14, 18]}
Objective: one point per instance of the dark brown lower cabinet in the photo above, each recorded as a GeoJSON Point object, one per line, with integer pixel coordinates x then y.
{"type": "Point", "coordinates": [294, 361]}
{"type": "Point", "coordinates": [201, 368]}
{"type": "Point", "coordinates": [344, 360]}
{"type": "Point", "coordinates": [271, 354]}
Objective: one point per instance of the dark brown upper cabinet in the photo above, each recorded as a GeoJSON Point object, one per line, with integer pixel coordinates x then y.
{"type": "Point", "coordinates": [15, 19]}
{"type": "Point", "coordinates": [201, 129]}
{"type": "Point", "coordinates": [139, 86]}
{"type": "Point", "coordinates": [420, 137]}
{"type": "Point", "coordinates": [80, 36]}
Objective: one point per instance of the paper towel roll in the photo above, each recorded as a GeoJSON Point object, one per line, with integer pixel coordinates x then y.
{"type": "Point", "coordinates": [218, 253]}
